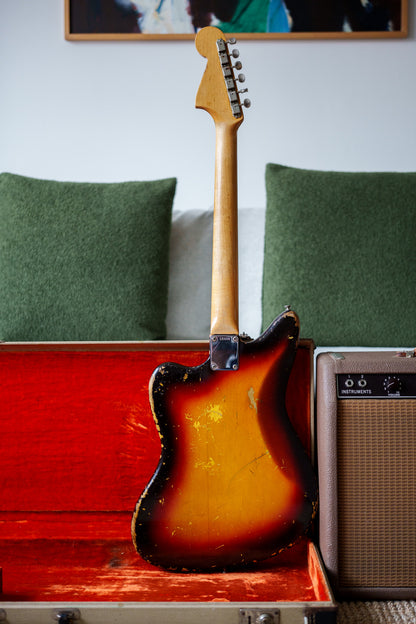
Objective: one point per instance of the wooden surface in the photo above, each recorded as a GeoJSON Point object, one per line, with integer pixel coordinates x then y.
{"type": "Point", "coordinates": [224, 292]}
{"type": "Point", "coordinates": [213, 97]}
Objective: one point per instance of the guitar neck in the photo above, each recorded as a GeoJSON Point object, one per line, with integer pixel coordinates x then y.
{"type": "Point", "coordinates": [224, 295]}
{"type": "Point", "coordinates": [218, 95]}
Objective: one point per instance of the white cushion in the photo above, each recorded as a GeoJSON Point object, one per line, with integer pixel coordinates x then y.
{"type": "Point", "coordinates": [189, 298]}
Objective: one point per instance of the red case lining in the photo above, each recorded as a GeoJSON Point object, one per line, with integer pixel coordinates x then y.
{"type": "Point", "coordinates": [78, 447]}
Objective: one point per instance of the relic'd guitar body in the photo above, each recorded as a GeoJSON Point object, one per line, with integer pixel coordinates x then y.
{"type": "Point", "coordinates": [233, 484]}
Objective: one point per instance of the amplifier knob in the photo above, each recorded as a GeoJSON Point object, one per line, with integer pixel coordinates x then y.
{"type": "Point", "coordinates": [392, 385]}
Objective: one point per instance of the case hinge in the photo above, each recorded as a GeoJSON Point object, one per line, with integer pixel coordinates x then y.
{"type": "Point", "coordinates": [259, 616]}
{"type": "Point", "coordinates": [66, 616]}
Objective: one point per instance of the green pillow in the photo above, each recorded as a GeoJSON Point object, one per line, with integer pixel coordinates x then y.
{"type": "Point", "coordinates": [81, 261]}
{"type": "Point", "coordinates": [340, 248]}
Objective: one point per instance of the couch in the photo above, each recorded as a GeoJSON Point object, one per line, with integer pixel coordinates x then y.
{"type": "Point", "coordinates": [83, 261]}
{"type": "Point", "coordinates": [189, 293]}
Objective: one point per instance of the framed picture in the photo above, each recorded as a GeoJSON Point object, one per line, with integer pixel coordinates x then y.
{"type": "Point", "coordinates": [247, 19]}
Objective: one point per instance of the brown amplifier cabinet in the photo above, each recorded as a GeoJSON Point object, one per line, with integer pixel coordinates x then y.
{"type": "Point", "coordinates": [366, 448]}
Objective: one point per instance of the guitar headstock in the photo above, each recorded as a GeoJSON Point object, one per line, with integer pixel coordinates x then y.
{"type": "Point", "coordinates": [218, 92]}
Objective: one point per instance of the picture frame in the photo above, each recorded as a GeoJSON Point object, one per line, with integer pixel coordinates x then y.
{"type": "Point", "coordinates": [112, 20]}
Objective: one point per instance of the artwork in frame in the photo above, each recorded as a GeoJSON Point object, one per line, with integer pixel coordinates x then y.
{"type": "Point", "coordinates": [247, 19]}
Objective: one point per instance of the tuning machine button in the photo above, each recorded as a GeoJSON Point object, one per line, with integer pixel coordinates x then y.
{"type": "Point", "coordinates": [231, 79]}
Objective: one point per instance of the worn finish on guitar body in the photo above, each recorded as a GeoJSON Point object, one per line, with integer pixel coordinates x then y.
{"type": "Point", "coordinates": [233, 484]}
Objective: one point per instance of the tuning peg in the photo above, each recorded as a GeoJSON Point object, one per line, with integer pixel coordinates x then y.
{"type": "Point", "coordinates": [246, 103]}
{"type": "Point", "coordinates": [241, 78]}
{"type": "Point", "coordinates": [232, 41]}
{"type": "Point", "coordinates": [238, 65]}
{"type": "Point", "coordinates": [235, 53]}
{"type": "Point", "coordinates": [243, 90]}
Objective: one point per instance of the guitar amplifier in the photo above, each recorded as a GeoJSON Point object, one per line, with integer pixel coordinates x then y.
{"type": "Point", "coordinates": [366, 451]}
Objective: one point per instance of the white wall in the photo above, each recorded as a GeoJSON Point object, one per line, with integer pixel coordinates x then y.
{"type": "Point", "coordinates": [106, 111]}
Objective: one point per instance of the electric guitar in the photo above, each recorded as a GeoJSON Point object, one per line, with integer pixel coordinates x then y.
{"type": "Point", "coordinates": [233, 484]}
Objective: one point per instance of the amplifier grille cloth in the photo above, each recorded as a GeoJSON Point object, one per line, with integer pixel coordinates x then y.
{"type": "Point", "coordinates": [377, 492]}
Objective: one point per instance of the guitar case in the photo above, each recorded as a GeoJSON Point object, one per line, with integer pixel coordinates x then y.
{"type": "Point", "coordinates": [78, 444]}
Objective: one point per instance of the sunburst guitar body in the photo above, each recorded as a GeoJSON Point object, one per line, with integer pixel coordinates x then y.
{"type": "Point", "coordinates": [233, 485]}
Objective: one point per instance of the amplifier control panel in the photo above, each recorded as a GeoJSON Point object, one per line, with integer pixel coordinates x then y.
{"type": "Point", "coordinates": [376, 385]}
